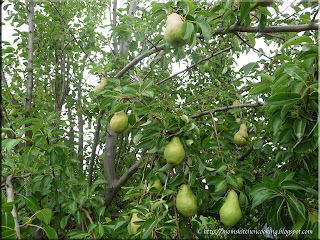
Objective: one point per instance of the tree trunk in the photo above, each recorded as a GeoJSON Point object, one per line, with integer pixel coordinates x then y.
{"type": "Point", "coordinates": [80, 125]}
{"type": "Point", "coordinates": [114, 23]}
{"type": "Point", "coordinates": [28, 99]}
{"type": "Point", "coordinates": [124, 45]}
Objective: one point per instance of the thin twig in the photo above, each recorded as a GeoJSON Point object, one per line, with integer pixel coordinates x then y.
{"type": "Point", "coordinates": [315, 15]}
{"type": "Point", "coordinates": [188, 228]}
{"type": "Point", "coordinates": [176, 216]}
{"type": "Point", "coordinates": [216, 132]}
{"type": "Point", "coordinates": [90, 219]}
{"type": "Point", "coordinates": [155, 234]}
{"type": "Point", "coordinates": [165, 184]}
{"type": "Point", "coordinates": [241, 158]}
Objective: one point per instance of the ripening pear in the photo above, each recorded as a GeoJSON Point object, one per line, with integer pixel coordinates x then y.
{"type": "Point", "coordinates": [239, 140]}
{"type": "Point", "coordinates": [173, 32]}
{"type": "Point", "coordinates": [264, 3]}
{"type": "Point", "coordinates": [297, 226]}
{"type": "Point", "coordinates": [243, 130]}
{"type": "Point", "coordinates": [100, 86]}
{"type": "Point", "coordinates": [119, 122]}
{"type": "Point", "coordinates": [186, 201]}
{"type": "Point", "coordinates": [230, 212]}
{"type": "Point", "coordinates": [174, 152]}
{"type": "Point", "coordinates": [206, 66]}
{"type": "Point", "coordinates": [134, 227]}
{"type": "Point", "coordinates": [157, 185]}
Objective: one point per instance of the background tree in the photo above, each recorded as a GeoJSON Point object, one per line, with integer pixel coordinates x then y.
{"type": "Point", "coordinates": [68, 174]}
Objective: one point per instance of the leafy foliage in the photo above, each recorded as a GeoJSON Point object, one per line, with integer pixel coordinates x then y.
{"type": "Point", "coordinates": [279, 164]}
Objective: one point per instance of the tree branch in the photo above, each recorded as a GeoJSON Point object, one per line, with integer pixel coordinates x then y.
{"type": "Point", "coordinates": [241, 158]}
{"type": "Point", "coordinates": [226, 108]}
{"type": "Point", "coordinates": [94, 147]}
{"type": "Point", "coordinates": [10, 198]}
{"type": "Point", "coordinates": [270, 29]}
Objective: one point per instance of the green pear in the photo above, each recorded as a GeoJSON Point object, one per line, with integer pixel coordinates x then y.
{"type": "Point", "coordinates": [297, 226]}
{"type": "Point", "coordinates": [173, 32]}
{"type": "Point", "coordinates": [236, 103]}
{"type": "Point", "coordinates": [313, 216]}
{"type": "Point", "coordinates": [239, 140]}
{"type": "Point", "coordinates": [206, 66]}
{"type": "Point", "coordinates": [157, 185]}
{"type": "Point", "coordinates": [174, 152]}
{"type": "Point", "coordinates": [243, 130]}
{"type": "Point", "coordinates": [230, 212]}
{"type": "Point", "coordinates": [264, 3]}
{"type": "Point", "coordinates": [119, 122]}
{"type": "Point", "coordinates": [186, 201]}
{"type": "Point", "coordinates": [134, 227]}
{"type": "Point", "coordinates": [240, 183]}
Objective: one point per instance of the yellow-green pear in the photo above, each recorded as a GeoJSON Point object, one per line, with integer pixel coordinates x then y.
{"type": "Point", "coordinates": [119, 122]}
{"type": "Point", "coordinates": [230, 212]}
{"type": "Point", "coordinates": [134, 227]}
{"type": "Point", "coordinates": [174, 152]}
{"type": "Point", "coordinates": [157, 185]}
{"type": "Point", "coordinates": [264, 3]}
{"type": "Point", "coordinates": [313, 216]}
{"type": "Point", "coordinates": [186, 201]}
{"type": "Point", "coordinates": [206, 66]}
{"type": "Point", "coordinates": [240, 183]}
{"type": "Point", "coordinates": [236, 103]}
{"type": "Point", "coordinates": [297, 226]}
{"type": "Point", "coordinates": [173, 32]}
{"type": "Point", "coordinates": [243, 130]}
{"type": "Point", "coordinates": [100, 86]}
{"type": "Point", "coordinates": [239, 140]}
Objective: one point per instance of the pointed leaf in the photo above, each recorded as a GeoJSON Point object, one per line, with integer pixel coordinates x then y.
{"type": "Point", "coordinates": [50, 232]}
{"type": "Point", "coordinates": [31, 202]}
{"type": "Point", "coordinates": [206, 29]}
{"type": "Point", "coordinates": [44, 215]}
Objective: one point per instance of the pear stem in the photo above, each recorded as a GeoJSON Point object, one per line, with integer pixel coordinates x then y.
{"type": "Point", "coordinates": [155, 234]}
{"type": "Point", "coordinates": [188, 228]}
{"type": "Point", "coordinates": [187, 163]}
{"type": "Point", "coordinates": [176, 216]}
{"type": "Point", "coordinates": [215, 130]}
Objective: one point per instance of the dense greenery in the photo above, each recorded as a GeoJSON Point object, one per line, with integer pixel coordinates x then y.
{"type": "Point", "coordinates": [73, 177]}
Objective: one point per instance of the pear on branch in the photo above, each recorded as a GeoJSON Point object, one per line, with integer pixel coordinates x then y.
{"type": "Point", "coordinates": [186, 201]}
{"type": "Point", "coordinates": [240, 138]}
{"type": "Point", "coordinates": [119, 122]}
{"type": "Point", "coordinates": [101, 85]}
{"type": "Point", "coordinates": [230, 212]}
{"type": "Point", "coordinates": [174, 152]}
{"type": "Point", "coordinates": [155, 187]}
{"type": "Point", "coordinates": [173, 33]}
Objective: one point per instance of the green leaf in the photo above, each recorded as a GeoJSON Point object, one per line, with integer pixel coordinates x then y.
{"type": "Point", "coordinates": [191, 6]}
{"type": "Point", "coordinates": [206, 29]}
{"type": "Point", "coordinates": [244, 10]}
{"type": "Point", "coordinates": [10, 143]}
{"type": "Point", "coordinates": [187, 30]}
{"type": "Point", "coordinates": [296, 204]}
{"type": "Point", "coordinates": [231, 179]}
{"type": "Point", "coordinates": [296, 40]}
{"type": "Point", "coordinates": [7, 207]}
{"type": "Point", "coordinates": [291, 185]}
{"type": "Point", "coordinates": [148, 227]}
{"type": "Point", "coordinates": [31, 202]}
{"type": "Point", "coordinates": [295, 71]}
{"type": "Point", "coordinates": [283, 98]}
{"type": "Point", "coordinates": [220, 184]}
{"type": "Point", "coordinates": [299, 127]}
{"type": "Point", "coordinates": [8, 233]}
{"type": "Point", "coordinates": [262, 87]}
{"type": "Point", "coordinates": [100, 181]}
{"type": "Point", "coordinates": [100, 229]}
{"type": "Point", "coordinates": [64, 221]}
{"type": "Point", "coordinates": [261, 196]}
{"type": "Point", "coordinates": [50, 232]}
{"type": "Point", "coordinates": [262, 23]}
{"type": "Point", "coordinates": [44, 215]}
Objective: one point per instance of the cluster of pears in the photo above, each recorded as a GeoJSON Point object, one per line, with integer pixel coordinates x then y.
{"type": "Point", "coordinates": [186, 201]}
{"type": "Point", "coordinates": [174, 152]}
{"type": "Point", "coordinates": [240, 138]}
{"type": "Point", "coordinates": [101, 85]}
{"type": "Point", "coordinates": [119, 122]}
{"type": "Point", "coordinates": [230, 212]}
{"type": "Point", "coordinates": [173, 33]}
